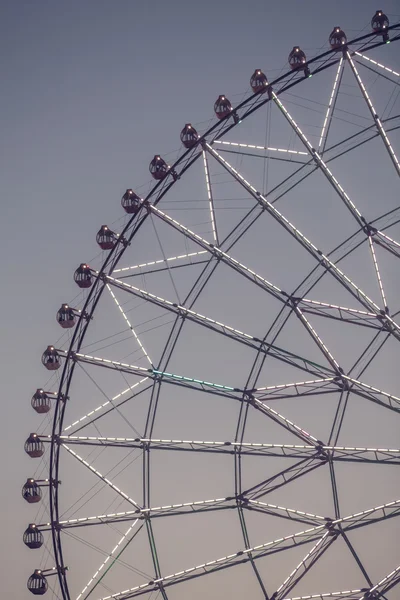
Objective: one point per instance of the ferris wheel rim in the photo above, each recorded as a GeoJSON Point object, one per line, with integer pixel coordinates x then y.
{"type": "Point", "coordinates": [113, 258]}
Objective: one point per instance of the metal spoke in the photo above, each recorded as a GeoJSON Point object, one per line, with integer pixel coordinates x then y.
{"type": "Point", "coordinates": [142, 268]}
{"type": "Point", "coordinates": [330, 109]}
{"type": "Point", "coordinates": [210, 198]}
{"type": "Point", "coordinates": [129, 325]}
{"type": "Point", "coordinates": [333, 452]}
{"type": "Point", "coordinates": [306, 563]}
{"type": "Point", "coordinates": [378, 275]}
{"type": "Point", "coordinates": [377, 64]}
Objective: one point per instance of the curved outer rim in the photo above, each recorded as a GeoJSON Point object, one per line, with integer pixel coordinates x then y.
{"type": "Point", "coordinates": [289, 79]}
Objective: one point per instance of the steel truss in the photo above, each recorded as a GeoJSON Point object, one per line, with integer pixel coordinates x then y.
{"type": "Point", "coordinates": [326, 378]}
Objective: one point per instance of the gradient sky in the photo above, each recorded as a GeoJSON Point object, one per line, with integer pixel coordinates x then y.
{"type": "Point", "coordinates": [90, 92]}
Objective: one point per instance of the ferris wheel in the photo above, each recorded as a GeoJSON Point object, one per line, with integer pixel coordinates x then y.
{"type": "Point", "coordinates": [220, 418]}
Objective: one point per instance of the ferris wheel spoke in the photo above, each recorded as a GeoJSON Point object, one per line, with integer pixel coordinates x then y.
{"type": "Point", "coordinates": [341, 313]}
{"type": "Point", "coordinates": [306, 563]}
{"type": "Point", "coordinates": [374, 115]}
{"type": "Point", "coordinates": [334, 453]}
{"type": "Point", "coordinates": [100, 476]}
{"type": "Point", "coordinates": [378, 275]}
{"type": "Point", "coordinates": [227, 330]}
{"type": "Point", "coordinates": [349, 523]}
{"type": "Point", "coordinates": [129, 324]}
{"type": "Point", "coordinates": [387, 242]}
{"type": "Point", "coordinates": [280, 154]}
{"type": "Point", "coordinates": [210, 199]}
{"type": "Point", "coordinates": [296, 389]}
{"type": "Point", "coordinates": [331, 107]}
{"type": "Point", "coordinates": [377, 64]}
{"type": "Point", "coordinates": [143, 270]}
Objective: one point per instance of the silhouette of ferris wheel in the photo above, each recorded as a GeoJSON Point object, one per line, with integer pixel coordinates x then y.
{"type": "Point", "coordinates": [223, 396]}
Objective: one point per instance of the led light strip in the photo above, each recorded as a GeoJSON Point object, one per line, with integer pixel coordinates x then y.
{"type": "Point", "coordinates": [129, 324]}
{"type": "Point", "coordinates": [210, 198]}
{"type": "Point", "coordinates": [252, 147]}
{"type": "Point", "coordinates": [378, 275]}
{"type": "Point", "coordinates": [377, 64]}
{"type": "Point", "coordinates": [160, 261]}
{"type": "Point", "coordinates": [330, 102]}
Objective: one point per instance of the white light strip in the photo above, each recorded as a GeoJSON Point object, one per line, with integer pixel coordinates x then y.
{"type": "Point", "coordinates": [382, 581]}
{"type": "Point", "coordinates": [210, 198]}
{"type": "Point", "coordinates": [339, 308]}
{"type": "Point", "coordinates": [297, 384]}
{"type": "Point", "coordinates": [260, 147]}
{"type": "Point", "coordinates": [378, 275]}
{"type": "Point", "coordinates": [109, 402]}
{"type": "Point", "coordinates": [345, 595]}
{"type": "Point", "coordinates": [107, 559]}
{"type": "Point", "coordinates": [129, 324]}
{"type": "Point", "coordinates": [330, 102]}
{"type": "Point", "coordinates": [374, 115]}
{"type": "Point", "coordinates": [160, 261]}
{"type": "Point", "coordinates": [369, 387]}
{"type": "Point", "coordinates": [287, 510]}
{"type": "Point", "coordinates": [317, 157]}
{"type": "Point", "coordinates": [96, 472]}
{"type": "Point", "coordinates": [296, 231]}
{"type": "Point", "coordinates": [369, 511]}
{"type": "Point", "coordinates": [388, 238]}
{"type": "Point", "coordinates": [377, 64]}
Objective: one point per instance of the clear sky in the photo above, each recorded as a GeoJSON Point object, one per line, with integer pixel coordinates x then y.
{"type": "Point", "coordinates": [90, 92]}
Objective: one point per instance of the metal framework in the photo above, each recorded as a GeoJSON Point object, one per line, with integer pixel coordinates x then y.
{"type": "Point", "coordinates": [325, 377]}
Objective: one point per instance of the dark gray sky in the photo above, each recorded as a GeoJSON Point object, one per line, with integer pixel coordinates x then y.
{"type": "Point", "coordinates": [90, 92]}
